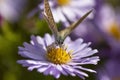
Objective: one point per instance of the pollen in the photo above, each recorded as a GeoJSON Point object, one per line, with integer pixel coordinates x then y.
{"type": "Point", "coordinates": [63, 2]}
{"type": "Point", "coordinates": [58, 56]}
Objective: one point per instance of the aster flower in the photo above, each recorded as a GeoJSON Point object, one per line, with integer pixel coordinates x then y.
{"type": "Point", "coordinates": [51, 59]}
{"type": "Point", "coordinates": [107, 21]}
{"type": "Point", "coordinates": [11, 9]}
{"type": "Point", "coordinates": [59, 54]}
{"type": "Point", "coordinates": [69, 10]}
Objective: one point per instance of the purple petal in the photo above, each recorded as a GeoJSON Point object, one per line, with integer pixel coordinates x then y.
{"type": "Point", "coordinates": [32, 51]}
{"type": "Point", "coordinates": [85, 53]}
{"type": "Point", "coordinates": [80, 73]}
{"type": "Point", "coordinates": [59, 67]}
{"type": "Point", "coordinates": [55, 72]}
{"type": "Point", "coordinates": [80, 67]}
{"type": "Point", "coordinates": [48, 39]}
{"type": "Point", "coordinates": [43, 68]}
{"type": "Point", "coordinates": [74, 45]}
{"type": "Point", "coordinates": [69, 70]}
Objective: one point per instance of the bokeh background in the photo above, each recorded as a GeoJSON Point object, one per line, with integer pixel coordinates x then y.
{"type": "Point", "coordinates": [19, 19]}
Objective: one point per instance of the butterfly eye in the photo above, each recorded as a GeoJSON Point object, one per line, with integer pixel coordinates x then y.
{"type": "Point", "coordinates": [59, 40]}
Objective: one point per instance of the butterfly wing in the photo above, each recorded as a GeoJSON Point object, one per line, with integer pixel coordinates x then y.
{"type": "Point", "coordinates": [60, 36]}
{"type": "Point", "coordinates": [64, 33]}
{"type": "Point", "coordinates": [49, 18]}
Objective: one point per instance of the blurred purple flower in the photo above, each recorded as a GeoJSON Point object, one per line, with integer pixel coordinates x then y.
{"type": "Point", "coordinates": [51, 59]}
{"type": "Point", "coordinates": [11, 9]}
{"type": "Point", "coordinates": [110, 71]}
{"type": "Point", "coordinates": [87, 31]}
{"type": "Point", "coordinates": [107, 21]}
{"type": "Point", "coordinates": [69, 10]}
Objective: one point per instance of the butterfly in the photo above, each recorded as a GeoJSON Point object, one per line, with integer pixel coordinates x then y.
{"type": "Point", "coordinates": [60, 35]}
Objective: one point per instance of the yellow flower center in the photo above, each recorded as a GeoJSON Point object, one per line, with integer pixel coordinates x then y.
{"type": "Point", "coordinates": [114, 31]}
{"type": "Point", "coordinates": [58, 56]}
{"type": "Point", "coordinates": [63, 2]}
